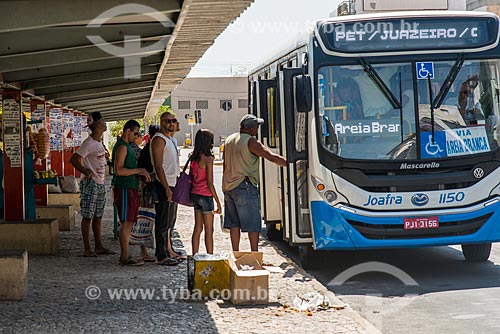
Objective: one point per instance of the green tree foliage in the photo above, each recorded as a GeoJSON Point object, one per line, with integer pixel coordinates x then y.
{"type": "Point", "coordinates": [162, 109]}
{"type": "Point", "coordinates": [115, 127]}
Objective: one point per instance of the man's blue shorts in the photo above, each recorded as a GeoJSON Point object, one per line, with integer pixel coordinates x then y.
{"type": "Point", "coordinates": [242, 208]}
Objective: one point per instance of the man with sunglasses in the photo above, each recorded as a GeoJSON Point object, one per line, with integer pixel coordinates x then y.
{"type": "Point", "coordinates": [126, 187]}
{"type": "Point", "coordinates": [166, 166]}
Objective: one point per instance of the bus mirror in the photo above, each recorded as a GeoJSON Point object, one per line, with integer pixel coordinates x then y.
{"type": "Point", "coordinates": [303, 93]}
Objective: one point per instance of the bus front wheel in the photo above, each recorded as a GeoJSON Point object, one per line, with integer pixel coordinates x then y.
{"type": "Point", "coordinates": [306, 256]}
{"type": "Point", "coordinates": [476, 252]}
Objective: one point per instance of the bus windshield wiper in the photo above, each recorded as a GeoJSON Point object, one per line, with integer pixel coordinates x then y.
{"type": "Point", "coordinates": [429, 86]}
{"type": "Point", "coordinates": [401, 104]}
{"type": "Point", "coordinates": [445, 87]}
{"type": "Point", "coordinates": [373, 75]}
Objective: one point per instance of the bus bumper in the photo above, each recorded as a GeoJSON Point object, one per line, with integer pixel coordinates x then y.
{"type": "Point", "coordinates": [335, 228]}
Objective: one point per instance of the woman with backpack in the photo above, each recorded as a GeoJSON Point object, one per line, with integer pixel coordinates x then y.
{"type": "Point", "coordinates": [203, 191]}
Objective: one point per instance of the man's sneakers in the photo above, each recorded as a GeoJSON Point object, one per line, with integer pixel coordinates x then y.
{"type": "Point", "coordinates": [131, 262]}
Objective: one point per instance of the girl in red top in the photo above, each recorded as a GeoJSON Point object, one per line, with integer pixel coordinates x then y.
{"type": "Point", "coordinates": [203, 191]}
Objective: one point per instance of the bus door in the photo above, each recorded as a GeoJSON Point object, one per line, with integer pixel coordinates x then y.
{"type": "Point", "coordinates": [266, 107]}
{"type": "Point", "coordinates": [294, 191]}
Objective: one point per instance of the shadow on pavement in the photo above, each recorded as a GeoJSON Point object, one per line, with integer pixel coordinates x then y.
{"type": "Point", "coordinates": [435, 269]}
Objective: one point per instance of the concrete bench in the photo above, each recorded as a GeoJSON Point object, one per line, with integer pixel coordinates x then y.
{"type": "Point", "coordinates": [65, 198]}
{"type": "Point", "coordinates": [37, 236]}
{"type": "Point", "coordinates": [13, 274]}
{"type": "Point", "coordinates": [64, 213]}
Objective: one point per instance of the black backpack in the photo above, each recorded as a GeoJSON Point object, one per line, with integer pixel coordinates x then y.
{"type": "Point", "coordinates": [144, 160]}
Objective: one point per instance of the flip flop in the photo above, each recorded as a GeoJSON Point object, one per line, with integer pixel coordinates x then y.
{"type": "Point", "coordinates": [89, 255]}
{"type": "Point", "coordinates": [105, 251]}
{"type": "Point", "coordinates": [180, 258]}
{"type": "Point", "coordinates": [178, 255]}
{"type": "Point", "coordinates": [148, 259]}
{"type": "Point", "coordinates": [168, 262]}
{"type": "Point", "coordinates": [131, 262]}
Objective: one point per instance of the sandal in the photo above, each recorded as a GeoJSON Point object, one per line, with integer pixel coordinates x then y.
{"type": "Point", "coordinates": [105, 251]}
{"type": "Point", "coordinates": [148, 258]}
{"type": "Point", "coordinates": [170, 261]}
{"type": "Point", "coordinates": [178, 255]}
{"type": "Point", "coordinates": [131, 262]}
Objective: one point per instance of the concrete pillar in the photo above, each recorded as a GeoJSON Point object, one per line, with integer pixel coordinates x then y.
{"type": "Point", "coordinates": [13, 156]}
{"type": "Point", "coordinates": [13, 274]}
{"type": "Point", "coordinates": [39, 236]}
{"type": "Point", "coordinates": [65, 198]}
{"type": "Point", "coordinates": [64, 213]}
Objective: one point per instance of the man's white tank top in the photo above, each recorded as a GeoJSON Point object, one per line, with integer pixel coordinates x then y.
{"type": "Point", "coordinates": [170, 162]}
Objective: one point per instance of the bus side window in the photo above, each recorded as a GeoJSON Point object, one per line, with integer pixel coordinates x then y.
{"type": "Point", "coordinates": [271, 117]}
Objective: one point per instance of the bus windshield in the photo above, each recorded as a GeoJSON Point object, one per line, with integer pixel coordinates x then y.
{"type": "Point", "coordinates": [384, 111]}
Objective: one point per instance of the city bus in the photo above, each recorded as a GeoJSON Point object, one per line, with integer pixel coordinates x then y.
{"type": "Point", "coordinates": [390, 126]}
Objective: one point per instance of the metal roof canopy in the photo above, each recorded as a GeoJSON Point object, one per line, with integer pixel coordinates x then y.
{"type": "Point", "coordinates": [45, 50]}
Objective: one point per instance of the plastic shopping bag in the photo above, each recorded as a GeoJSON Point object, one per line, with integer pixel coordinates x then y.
{"type": "Point", "coordinates": [143, 229]}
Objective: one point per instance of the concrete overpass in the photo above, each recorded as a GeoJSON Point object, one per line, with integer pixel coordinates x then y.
{"type": "Point", "coordinates": [142, 50]}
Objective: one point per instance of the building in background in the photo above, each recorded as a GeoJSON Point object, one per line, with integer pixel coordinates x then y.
{"type": "Point", "coordinates": [492, 6]}
{"type": "Point", "coordinates": [350, 7]}
{"type": "Point", "coordinates": [212, 103]}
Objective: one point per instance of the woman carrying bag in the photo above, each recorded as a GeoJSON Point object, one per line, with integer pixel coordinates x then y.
{"type": "Point", "coordinates": [203, 191]}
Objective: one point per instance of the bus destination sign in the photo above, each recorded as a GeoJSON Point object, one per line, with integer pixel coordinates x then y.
{"type": "Point", "coordinates": [409, 34]}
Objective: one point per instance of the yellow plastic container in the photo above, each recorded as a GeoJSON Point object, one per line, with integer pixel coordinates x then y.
{"type": "Point", "coordinates": [209, 278]}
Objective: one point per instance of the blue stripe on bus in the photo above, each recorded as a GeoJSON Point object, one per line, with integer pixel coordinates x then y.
{"type": "Point", "coordinates": [332, 231]}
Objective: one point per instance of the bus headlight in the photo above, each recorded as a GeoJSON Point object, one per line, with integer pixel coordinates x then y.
{"type": "Point", "coordinates": [330, 196]}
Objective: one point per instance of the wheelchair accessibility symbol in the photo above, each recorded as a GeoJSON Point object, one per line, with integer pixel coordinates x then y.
{"type": "Point", "coordinates": [425, 70]}
{"type": "Point", "coordinates": [433, 148]}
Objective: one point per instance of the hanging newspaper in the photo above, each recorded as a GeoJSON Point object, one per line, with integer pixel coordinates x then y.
{"type": "Point", "coordinates": [68, 133]}
{"type": "Point", "coordinates": [56, 129]}
{"type": "Point", "coordinates": [12, 131]}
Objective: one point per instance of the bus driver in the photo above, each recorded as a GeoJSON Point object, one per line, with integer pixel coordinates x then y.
{"type": "Point", "coordinates": [346, 94]}
{"type": "Point", "coordinates": [470, 110]}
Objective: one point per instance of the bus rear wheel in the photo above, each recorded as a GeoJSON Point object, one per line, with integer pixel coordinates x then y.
{"type": "Point", "coordinates": [306, 254]}
{"type": "Point", "coordinates": [476, 252]}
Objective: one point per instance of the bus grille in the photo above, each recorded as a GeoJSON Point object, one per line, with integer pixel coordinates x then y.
{"type": "Point", "coordinates": [446, 229]}
{"type": "Point", "coordinates": [382, 181]}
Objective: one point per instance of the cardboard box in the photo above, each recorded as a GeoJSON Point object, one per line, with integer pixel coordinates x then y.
{"type": "Point", "coordinates": [208, 278]}
{"type": "Point", "coordinates": [248, 287]}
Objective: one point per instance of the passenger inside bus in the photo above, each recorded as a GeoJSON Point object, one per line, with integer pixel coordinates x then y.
{"type": "Point", "coordinates": [348, 98]}
{"type": "Point", "coordinates": [470, 109]}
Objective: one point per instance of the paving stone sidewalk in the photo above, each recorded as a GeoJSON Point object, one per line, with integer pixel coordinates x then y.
{"type": "Point", "coordinates": [69, 293]}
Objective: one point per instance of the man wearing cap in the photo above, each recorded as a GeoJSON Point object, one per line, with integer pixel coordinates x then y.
{"type": "Point", "coordinates": [240, 181]}
{"type": "Point", "coordinates": [90, 160]}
